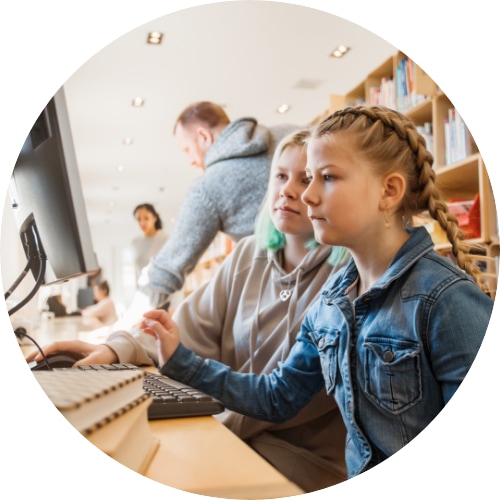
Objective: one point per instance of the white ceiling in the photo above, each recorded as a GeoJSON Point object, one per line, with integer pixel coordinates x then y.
{"type": "Point", "coordinates": [249, 56]}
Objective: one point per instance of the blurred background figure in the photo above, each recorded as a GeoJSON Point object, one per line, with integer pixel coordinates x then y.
{"type": "Point", "coordinates": [56, 306]}
{"type": "Point", "coordinates": [152, 239]}
{"type": "Point", "coordinates": [103, 311]}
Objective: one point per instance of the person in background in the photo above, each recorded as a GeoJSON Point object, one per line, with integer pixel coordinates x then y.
{"type": "Point", "coordinates": [56, 305]}
{"type": "Point", "coordinates": [395, 332]}
{"type": "Point", "coordinates": [152, 239]}
{"type": "Point", "coordinates": [103, 311]}
{"type": "Point", "coordinates": [235, 158]}
{"type": "Point", "coordinates": [248, 315]}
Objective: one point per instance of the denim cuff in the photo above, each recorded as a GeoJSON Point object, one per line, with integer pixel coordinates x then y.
{"type": "Point", "coordinates": [182, 365]}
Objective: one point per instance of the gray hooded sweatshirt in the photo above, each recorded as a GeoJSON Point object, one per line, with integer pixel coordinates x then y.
{"type": "Point", "coordinates": [225, 198]}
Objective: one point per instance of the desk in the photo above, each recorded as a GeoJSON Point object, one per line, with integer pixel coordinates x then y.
{"type": "Point", "coordinates": [197, 454]}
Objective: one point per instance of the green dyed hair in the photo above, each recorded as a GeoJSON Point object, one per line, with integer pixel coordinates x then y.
{"type": "Point", "coordinates": [268, 237]}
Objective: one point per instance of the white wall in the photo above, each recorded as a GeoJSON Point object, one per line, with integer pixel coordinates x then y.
{"type": "Point", "coordinates": [114, 255]}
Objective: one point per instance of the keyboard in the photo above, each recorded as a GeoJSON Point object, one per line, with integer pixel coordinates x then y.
{"type": "Point", "coordinates": [170, 399]}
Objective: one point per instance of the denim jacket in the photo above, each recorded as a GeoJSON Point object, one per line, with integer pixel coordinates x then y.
{"type": "Point", "coordinates": [392, 358]}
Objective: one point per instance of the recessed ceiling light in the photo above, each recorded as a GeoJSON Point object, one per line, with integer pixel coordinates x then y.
{"type": "Point", "coordinates": [284, 108]}
{"type": "Point", "coordinates": [128, 141]}
{"type": "Point", "coordinates": [339, 52]}
{"type": "Point", "coordinates": [111, 203]}
{"type": "Point", "coordinates": [120, 168]}
{"type": "Point", "coordinates": [155, 38]}
{"type": "Point", "coordinates": [138, 102]}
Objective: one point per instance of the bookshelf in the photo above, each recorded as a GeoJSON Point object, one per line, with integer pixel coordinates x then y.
{"type": "Point", "coordinates": [208, 264]}
{"type": "Point", "coordinates": [400, 84]}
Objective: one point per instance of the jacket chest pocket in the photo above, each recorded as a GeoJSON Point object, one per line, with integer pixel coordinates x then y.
{"type": "Point", "coordinates": [327, 344]}
{"type": "Point", "coordinates": [392, 373]}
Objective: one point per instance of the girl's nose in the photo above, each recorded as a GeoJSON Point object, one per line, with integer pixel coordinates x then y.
{"type": "Point", "coordinates": [288, 191]}
{"type": "Point", "coordinates": [308, 196]}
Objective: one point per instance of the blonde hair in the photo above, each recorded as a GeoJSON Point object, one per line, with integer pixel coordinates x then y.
{"type": "Point", "coordinates": [266, 233]}
{"type": "Point", "coordinates": [390, 141]}
{"type": "Point", "coordinates": [267, 236]}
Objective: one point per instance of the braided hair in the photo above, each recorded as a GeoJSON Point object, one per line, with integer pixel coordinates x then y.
{"type": "Point", "coordinates": [391, 142]}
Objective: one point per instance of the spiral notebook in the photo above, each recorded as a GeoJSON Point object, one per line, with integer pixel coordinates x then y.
{"type": "Point", "coordinates": [92, 399]}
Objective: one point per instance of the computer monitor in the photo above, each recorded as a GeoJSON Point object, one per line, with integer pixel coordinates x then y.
{"type": "Point", "coordinates": [47, 200]}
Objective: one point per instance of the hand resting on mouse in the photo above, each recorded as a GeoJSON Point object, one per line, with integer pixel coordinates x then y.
{"type": "Point", "coordinates": [84, 352]}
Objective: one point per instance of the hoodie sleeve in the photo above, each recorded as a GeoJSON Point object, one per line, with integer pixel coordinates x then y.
{"type": "Point", "coordinates": [133, 347]}
{"type": "Point", "coordinates": [197, 225]}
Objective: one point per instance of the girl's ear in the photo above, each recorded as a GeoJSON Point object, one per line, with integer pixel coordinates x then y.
{"type": "Point", "coordinates": [393, 191]}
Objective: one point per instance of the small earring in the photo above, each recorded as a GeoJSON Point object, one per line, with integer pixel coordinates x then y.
{"type": "Point", "coordinates": [386, 220]}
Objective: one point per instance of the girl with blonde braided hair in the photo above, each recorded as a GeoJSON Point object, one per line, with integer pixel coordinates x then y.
{"type": "Point", "coordinates": [390, 140]}
{"type": "Point", "coordinates": [395, 332]}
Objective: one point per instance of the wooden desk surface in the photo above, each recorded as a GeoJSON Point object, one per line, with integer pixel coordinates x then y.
{"type": "Point", "coordinates": [200, 455]}
{"type": "Point", "coordinates": [197, 454]}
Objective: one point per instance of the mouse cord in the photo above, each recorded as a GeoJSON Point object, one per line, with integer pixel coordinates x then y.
{"type": "Point", "coordinates": [21, 332]}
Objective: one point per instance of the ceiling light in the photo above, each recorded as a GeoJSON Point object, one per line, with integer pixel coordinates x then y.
{"type": "Point", "coordinates": [120, 168]}
{"type": "Point", "coordinates": [111, 203]}
{"type": "Point", "coordinates": [138, 102]}
{"type": "Point", "coordinates": [283, 108]}
{"type": "Point", "coordinates": [340, 51]}
{"type": "Point", "coordinates": [155, 38]}
{"type": "Point", "coordinates": [128, 141]}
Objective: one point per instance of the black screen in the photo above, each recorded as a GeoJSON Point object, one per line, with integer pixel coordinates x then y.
{"type": "Point", "coordinates": [46, 185]}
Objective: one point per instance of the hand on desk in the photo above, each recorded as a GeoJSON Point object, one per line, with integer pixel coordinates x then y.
{"type": "Point", "coordinates": [87, 354]}
{"type": "Point", "coordinates": [159, 324]}
{"type": "Point", "coordinates": [156, 323]}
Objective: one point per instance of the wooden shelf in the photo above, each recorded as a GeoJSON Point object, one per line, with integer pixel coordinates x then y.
{"type": "Point", "coordinates": [426, 104]}
{"type": "Point", "coordinates": [208, 264]}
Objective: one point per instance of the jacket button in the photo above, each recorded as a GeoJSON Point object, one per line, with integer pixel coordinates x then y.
{"type": "Point", "coordinates": [388, 356]}
{"type": "Point", "coordinates": [321, 342]}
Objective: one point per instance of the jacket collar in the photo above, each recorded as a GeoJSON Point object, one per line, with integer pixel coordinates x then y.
{"type": "Point", "coordinates": [419, 244]}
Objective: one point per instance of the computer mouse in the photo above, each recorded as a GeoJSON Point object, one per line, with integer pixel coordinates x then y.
{"type": "Point", "coordinates": [56, 360]}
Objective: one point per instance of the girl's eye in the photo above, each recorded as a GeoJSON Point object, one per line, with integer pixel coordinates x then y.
{"type": "Point", "coordinates": [280, 176]}
{"type": "Point", "coordinates": [328, 177]}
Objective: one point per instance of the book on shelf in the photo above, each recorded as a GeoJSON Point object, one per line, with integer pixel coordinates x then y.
{"type": "Point", "coordinates": [128, 439]}
{"type": "Point", "coordinates": [426, 132]}
{"type": "Point", "coordinates": [406, 89]}
{"type": "Point", "coordinates": [92, 399]}
{"type": "Point", "coordinates": [458, 140]}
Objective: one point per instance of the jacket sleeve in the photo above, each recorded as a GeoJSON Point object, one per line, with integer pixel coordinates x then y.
{"type": "Point", "coordinates": [275, 397]}
{"type": "Point", "coordinates": [197, 225]}
{"type": "Point", "coordinates": [456, 332]}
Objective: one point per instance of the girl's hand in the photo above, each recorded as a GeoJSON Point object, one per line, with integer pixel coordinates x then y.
{"type": "Point", "coordinates": [87, 354]}
{"type": "Point", "coordinates": [158, 323]}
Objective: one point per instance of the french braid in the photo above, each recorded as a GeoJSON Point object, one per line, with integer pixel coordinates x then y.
{"type": "Point", "coordinates": [391, 142]}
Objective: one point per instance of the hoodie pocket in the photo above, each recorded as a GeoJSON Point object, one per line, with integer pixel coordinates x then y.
{"type": "Point", "coordinates": [392, 373]}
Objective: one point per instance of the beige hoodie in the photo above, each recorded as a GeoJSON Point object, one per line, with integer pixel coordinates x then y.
{"type": "Point", "coordinates": [238, 318]}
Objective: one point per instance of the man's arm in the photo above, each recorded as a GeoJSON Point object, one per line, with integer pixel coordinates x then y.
{"type": "Point", "coordinates": [197, 225]}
